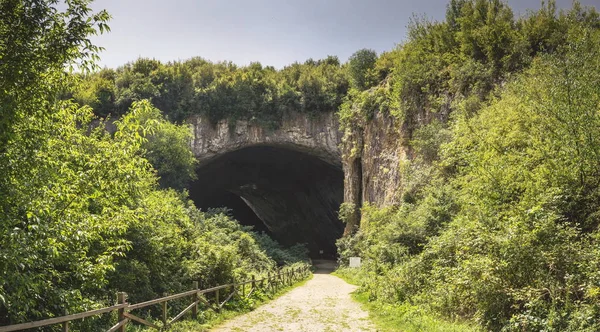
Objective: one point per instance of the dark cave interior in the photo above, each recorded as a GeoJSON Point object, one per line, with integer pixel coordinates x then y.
{"type": "Point", "coordinates": [292, 196]}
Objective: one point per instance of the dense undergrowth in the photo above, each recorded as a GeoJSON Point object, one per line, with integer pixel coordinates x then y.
{"type": "Point", "coordinates": [498, 215]}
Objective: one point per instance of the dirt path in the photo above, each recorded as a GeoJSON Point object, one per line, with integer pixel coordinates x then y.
{"type": "Point", "coordinates": [322, 304]}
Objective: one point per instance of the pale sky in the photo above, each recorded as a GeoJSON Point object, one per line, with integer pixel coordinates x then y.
{"type": "Point", "coordinates": [273, 32]}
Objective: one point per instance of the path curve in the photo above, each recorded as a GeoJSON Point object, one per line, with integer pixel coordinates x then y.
{"type": "Point", "coordinates": [322, 304]}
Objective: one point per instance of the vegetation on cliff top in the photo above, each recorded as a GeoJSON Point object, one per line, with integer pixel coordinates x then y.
{"type": "Point", "coordinates": [217, 90]}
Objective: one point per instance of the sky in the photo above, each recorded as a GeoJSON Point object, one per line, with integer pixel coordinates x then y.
{"type": "Point", "coordinates": [273, 32]}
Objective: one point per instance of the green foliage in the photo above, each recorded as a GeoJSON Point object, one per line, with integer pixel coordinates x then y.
{"type": "Point", "coordinates": [499, 215]}
{"type": "Point", "coordinates": [98, 92]}
{"type": "Point", "coordinates": [282, 256]}
{"type": "Point", "coordinates": [360, 66]}
{"type": "Point", "coordinates": [528, 220]}
{"type": "Point", "coordinates": [71, 200]}
{"type": "Point", "coordinates": [44, 163]}
{"type": "Point", "coordinates": [223, 250]}
{"type": "Point", "coordinates": [217, 90]}
{"type": "Point", "coordinates": [428, 139]}
{"type": "Point", "coordinates": [88, 219]}
{"type": "Point", "coordinates": [36, 43]}
{"type": "Point", "coordinates": [486, 34]}
{"type": "Point", "coordinates": [346, 210]}
{"type": "Point", "coordinates": [443, 64]}
{"type": "Point", "coordinates": [166, 146]}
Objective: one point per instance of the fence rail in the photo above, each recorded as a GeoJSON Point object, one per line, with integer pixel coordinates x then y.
{"type": "Point", "coordinates": [272, 282]}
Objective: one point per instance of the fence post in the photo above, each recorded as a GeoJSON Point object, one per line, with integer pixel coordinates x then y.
{"type": "Point", "coordinates": [218, 301]}
{"type": "Point", "coordinates": [233, 288]}
{"type": "Point", "coordinates": [65, 324]}
{"type": "Point", "coordinates": [280, 279]}
{"type": "Point", "coordinates": [164, 312]}
{"type": "Point", "coordinates": [121, 299]}
{"type": "Point", "coordinates": [195, 299]}
{"type": "Point", "coordinates": [253, 282]}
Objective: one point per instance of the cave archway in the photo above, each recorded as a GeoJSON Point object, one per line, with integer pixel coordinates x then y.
{"type": "Point", "coordinates": [292, 195]}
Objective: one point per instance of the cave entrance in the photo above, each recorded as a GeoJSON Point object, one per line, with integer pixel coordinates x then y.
{"type": "Point", "coordinates": [292, 196]}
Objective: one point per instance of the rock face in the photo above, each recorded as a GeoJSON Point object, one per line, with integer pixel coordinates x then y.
{"type": "Point", "coordinates": [384, 149]}
{"type": "Point", "coordinates": [372, 155]}
{"type": "Point", "coordinates": [314, 135]}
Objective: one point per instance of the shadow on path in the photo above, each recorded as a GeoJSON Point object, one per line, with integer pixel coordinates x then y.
{"type": "Point", "coordinates": [324, 266]}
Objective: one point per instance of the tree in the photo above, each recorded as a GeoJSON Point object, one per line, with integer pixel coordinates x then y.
{"type": "Point", "coordinates": [359, 66]}
{"type": "Point", "coordinates": [98, 92]}
{"type": "Point", "coordinates": [166, 146]}
{"type": "Point", "coordinates": [36, 43]}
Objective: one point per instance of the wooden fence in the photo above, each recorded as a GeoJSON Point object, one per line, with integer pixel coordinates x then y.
{"type": "Point", "coordinates": [272, 282]}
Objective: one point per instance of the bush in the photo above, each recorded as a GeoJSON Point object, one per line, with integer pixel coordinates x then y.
{"type": "Point", "coordinates": [281, 255]}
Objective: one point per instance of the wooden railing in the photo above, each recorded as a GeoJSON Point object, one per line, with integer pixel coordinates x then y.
{"type": "Point", "coordinates": [272, 282]}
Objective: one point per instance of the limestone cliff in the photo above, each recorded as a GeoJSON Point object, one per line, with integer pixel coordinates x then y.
{"type": "Point", "coordinates": [372, 153]}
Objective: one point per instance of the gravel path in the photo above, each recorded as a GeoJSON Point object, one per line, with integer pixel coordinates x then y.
{"type": "Point", "coordinates": [322, 304]}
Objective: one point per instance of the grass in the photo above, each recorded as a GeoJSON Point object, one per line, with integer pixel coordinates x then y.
{"type": "Point", "coordinates": [402, 316]}
{"type": "Point", "coordinates": [209, 319]}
